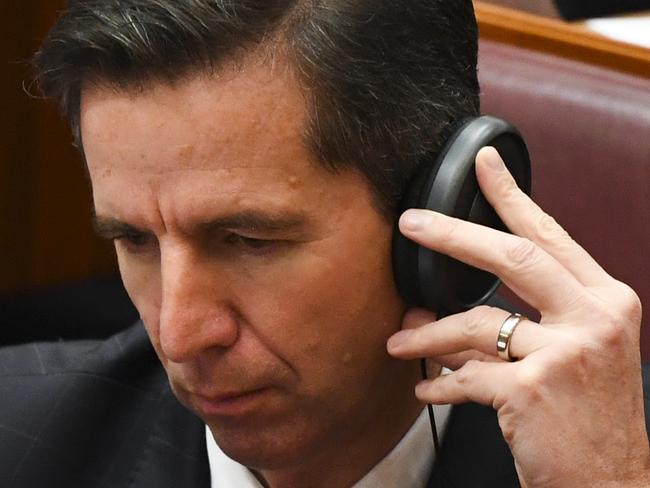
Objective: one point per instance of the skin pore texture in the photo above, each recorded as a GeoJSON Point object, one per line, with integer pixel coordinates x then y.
{"type": "Point", "coordinates": [264, 281]}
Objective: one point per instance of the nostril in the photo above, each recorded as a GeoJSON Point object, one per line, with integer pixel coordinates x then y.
{"type": "Point", "coordinates": [184, 336]}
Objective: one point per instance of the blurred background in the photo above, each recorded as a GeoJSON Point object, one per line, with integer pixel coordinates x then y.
{"type": "Point", "coordinates": [56, 276]}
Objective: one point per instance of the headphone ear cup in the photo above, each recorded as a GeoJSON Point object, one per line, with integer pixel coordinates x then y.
{"type": "Point", "coordinates": [448, 185]}
{"type": "Point", "coordinates": [405, 251]}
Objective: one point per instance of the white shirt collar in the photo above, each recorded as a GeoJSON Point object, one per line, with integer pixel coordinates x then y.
{"type": "Point", "coordinates": [408, 465]}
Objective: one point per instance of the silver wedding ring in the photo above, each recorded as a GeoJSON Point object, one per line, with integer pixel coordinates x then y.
{"type": "Point", "coordinates": [505, 334]}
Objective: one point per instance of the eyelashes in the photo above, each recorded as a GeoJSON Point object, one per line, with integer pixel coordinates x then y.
{"type": "Point", "coordinates": [139, 243]}
{"type": "Point", "coordinates": [251, 244]}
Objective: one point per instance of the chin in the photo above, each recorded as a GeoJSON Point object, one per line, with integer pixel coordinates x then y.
{"type": "Point", "coordinates": [265, 448]}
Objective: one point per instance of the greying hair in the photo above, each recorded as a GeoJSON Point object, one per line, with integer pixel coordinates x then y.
{"type": "Point", "coordinates": [386, 80]}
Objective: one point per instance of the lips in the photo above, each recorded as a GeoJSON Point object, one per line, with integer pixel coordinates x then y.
{"type": "Point", "coordinates": [230, 403]}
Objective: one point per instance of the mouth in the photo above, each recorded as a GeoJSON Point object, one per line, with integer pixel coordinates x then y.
{"type": "Point", "coordinates": [231, 404]}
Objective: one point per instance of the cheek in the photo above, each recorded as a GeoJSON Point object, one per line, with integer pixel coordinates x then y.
{"type": "Point", "coordinates": [330, 311]}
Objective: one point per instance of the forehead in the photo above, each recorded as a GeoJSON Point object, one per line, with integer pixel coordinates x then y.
{"type": "Point", "coordinates": [217, 144]}
{"type": "Point", "coordinates": [206, 117]}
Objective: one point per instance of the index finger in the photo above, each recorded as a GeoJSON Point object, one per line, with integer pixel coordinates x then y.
{"type": "Point", "coordinates": [525, 218]}
{"type": "Point", "coordinates": [527, 269]}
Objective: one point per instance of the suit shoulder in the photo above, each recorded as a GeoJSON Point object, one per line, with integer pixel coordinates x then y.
{"type": "Point", "coordinates": [126, 352]}
{"type": "Point", "coordinates": [78, 413]}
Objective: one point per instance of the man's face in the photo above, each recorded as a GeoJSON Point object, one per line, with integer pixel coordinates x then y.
{"type": "Point", "coordinates": [263, 280]}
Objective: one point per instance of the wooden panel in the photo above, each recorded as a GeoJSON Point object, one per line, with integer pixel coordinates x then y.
{"type": "Point", "coordinates": [560, 38]}
{"type": "Point", "coordinates": [15, 197]}
{"type": "Point", "coordinates": [45, 232]}
{"type": "Point", "coordinates": [545, 8]}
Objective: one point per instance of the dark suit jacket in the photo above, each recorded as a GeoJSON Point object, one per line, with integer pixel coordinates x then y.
{"type": "Point", "coordinates": [101, 414]}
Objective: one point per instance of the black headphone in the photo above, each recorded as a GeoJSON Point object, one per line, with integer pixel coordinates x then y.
{"type": "Point", "coordinates": [448, 185]}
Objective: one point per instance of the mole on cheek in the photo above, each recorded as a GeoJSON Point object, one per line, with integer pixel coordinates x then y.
{"type": "Point", "coordinates": [185, 153]}
{"type": "Point", "coordinates": [294, 182]}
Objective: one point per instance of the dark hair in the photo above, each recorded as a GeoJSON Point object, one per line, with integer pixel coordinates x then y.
{"type": "Point", "coordinates": [387, 80]}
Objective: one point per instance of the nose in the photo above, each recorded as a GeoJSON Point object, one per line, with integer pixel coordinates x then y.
{"type": "Point", "coordinates": [196, 311]}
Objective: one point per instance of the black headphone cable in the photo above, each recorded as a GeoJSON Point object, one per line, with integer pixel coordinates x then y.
{"type": "Point", "coordinates": [434, 431]}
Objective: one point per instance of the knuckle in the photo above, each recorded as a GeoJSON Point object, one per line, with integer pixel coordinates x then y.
{"type": "Point", "coordinates": [529, 382]}
{"type": "Point", "coordinates": [612, 335]}
{"type": "Point", "coordinates": [465, 374]}
{"type": "Point", "coordinates": [507, 190]}
{"type": "Point", "coordinates": [508, 424]}
{"type": "Point", "coordinates": [471, 328]}
{"type": "Point", "coordinates": [522, 253]}
{"type": "Point", "coordinates": [631, 307]}
{"type": "Point", "coordinates": [508, 430]}
{"type": "Point", "coordinates": [475, 320]}
{"type": "Point", "coordinates": [579, 352]}
{"type": "Point", "coordinates": [617, 320]}
{"type": "Point", "coordinates": [547, 229]}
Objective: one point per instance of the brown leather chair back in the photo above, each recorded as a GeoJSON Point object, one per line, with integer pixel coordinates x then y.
{"type": "Point", "coordinates": [588, 131]}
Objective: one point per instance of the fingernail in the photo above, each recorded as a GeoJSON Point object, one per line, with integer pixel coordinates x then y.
{"type": "Point", "coordinates": [398, 340]}
{"type": "Point", "coordinates": [493, 159]}
{"type": "Point", "coordinates": [412, 220]}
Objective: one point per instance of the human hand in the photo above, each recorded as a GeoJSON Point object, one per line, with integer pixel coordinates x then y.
{"type": "Point", "coordinates": [571, 406]}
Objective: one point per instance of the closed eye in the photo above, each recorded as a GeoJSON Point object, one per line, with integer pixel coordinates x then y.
{"type": "Point", "coordinates": [251, 244]}
{"type": "Point", "coordinates": [134, 242]}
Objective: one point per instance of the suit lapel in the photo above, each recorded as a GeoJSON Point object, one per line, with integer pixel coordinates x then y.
{"type": "Point", "coordinates": [174, 453]}
{"type": "Point", "coordinates": [474, 453]}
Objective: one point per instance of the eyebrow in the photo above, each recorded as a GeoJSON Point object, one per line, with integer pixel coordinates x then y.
{"type": "Point", "coordinates": [109, 227]}
{"type": "Point", "coordinates": [258, 221]}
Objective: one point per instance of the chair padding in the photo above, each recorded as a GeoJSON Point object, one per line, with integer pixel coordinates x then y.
{"type": "Point", "coordinates": [588, 131]}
